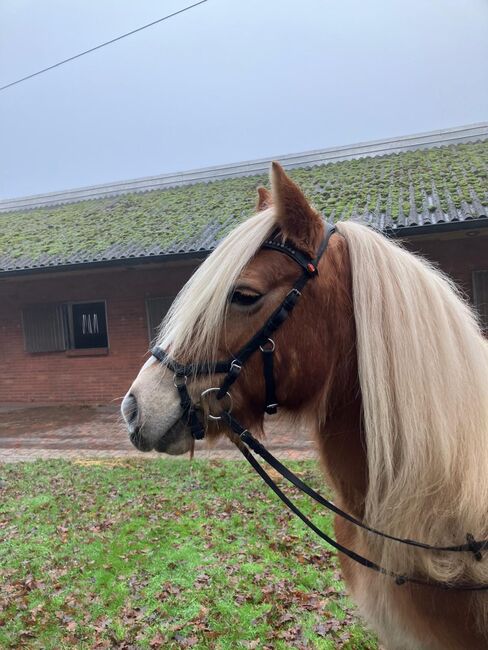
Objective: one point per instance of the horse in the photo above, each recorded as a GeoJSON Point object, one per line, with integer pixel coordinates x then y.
{"type": "Point", "coordinates": [384, 359]}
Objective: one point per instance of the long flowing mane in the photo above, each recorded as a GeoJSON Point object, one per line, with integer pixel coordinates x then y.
{"type": "Point", "coordinates": [423, 374]}
{"type": "Point", "coordinates": [423, 371]}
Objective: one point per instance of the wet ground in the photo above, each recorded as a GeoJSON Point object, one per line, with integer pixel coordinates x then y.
{"type": "Point", "coordinates": [28, 433]}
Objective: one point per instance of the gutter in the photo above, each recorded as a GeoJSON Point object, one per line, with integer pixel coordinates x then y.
{"type": "Point", "coordinates": [429, 229]}
{"type": "Point", "coordinates": [103, 264]}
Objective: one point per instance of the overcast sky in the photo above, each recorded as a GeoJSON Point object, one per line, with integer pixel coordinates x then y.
{"type": "Point", "coordinates": [227, 81]}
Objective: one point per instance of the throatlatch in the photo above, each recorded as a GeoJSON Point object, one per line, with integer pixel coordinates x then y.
{"type": "Point", "coordinates": [263, 341]}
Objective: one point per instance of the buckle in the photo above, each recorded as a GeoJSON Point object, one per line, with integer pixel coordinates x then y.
{"type": "Point", "coordinates": [291, 298]}
{"type": "Point", "coordinates": [235, 367]}
{"type": "Point", "coordinates": [176, 377]}
{"type": "Point", "coordinates": [294, 291]}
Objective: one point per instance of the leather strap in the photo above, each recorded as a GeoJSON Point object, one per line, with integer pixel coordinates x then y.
{"type": "Point", "coordinates": [267, 354]}
{"type": "Point", "coordinates": [472, 546]}
{"type": "Point", "coordinates": [400, 579]}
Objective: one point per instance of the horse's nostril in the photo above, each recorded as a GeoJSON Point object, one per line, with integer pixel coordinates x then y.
{"type": "Point", "coordinates": [133, 414]}
{"type": "Point", "coordinates": [129, 409]}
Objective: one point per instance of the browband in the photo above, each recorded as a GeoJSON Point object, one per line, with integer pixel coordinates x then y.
{"type": "Point", "coordinates": [308, 264]}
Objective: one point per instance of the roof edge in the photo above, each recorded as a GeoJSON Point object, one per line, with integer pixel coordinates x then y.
{"type": "Point", "coordinates": [428, 140]}
{"type": "Point", "coordinates": [103, 264]}
{"type": "Point", "coordinates": [401, 232]}
{"type": "Point", "coordinates": [433, 228]}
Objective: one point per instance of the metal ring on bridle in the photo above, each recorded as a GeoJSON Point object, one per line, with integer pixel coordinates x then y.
{"type": "Point", "coordinates": [227, 395]}
{"type": "Point", "coordinates": [177, 378]}
{"type": "Point", "coordinates": [263, 348]}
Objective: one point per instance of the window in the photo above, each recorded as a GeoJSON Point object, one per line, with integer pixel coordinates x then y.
{"type": "Point", "coordinates": [88, 325]}
{"type": "Point", "coordinates": [44, 328]}
{"type": "Point", "coordinates": [480, 295]}
{"type": "Point", "coordinates": [65, 326]}
{"type": "Point", "coordinates": [156, 309]}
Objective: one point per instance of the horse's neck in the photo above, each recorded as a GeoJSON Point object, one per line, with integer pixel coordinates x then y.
{"type": "Point", "coordinates": [343, 453]}
{"type": "Point", "coordinates": [341, 434]}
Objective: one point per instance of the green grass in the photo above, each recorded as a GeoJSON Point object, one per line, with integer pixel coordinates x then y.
{"type": "Point", "coordinates": [162, 554]}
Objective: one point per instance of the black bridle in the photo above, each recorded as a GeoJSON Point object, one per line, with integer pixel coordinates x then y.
{"type": "Point", "coordinates": [246, 442]}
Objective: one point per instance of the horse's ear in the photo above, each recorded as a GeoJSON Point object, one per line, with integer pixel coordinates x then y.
{"type": "Point", "coordinates": [296, 218]}
{"type": "Point", "coordinates": [264, 199]}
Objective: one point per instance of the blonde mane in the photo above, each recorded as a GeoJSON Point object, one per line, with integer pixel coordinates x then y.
{"type": "Point", "coordinates": [423, 370]}
{"type": "Point", "coordinates": [193, 324]}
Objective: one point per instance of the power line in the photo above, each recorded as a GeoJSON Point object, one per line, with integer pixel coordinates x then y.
{"type": "Point", "coordinates": [97, 47]}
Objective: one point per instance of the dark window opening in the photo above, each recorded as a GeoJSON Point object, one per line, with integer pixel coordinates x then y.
{"type": "Point", "coordinates": [89, 325]}
{"type": "Point", "coordinates": [480, 296]}
{"type": "Point", "coordinates": [156, 309]}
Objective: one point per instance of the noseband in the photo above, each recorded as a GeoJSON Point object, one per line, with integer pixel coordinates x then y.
{"type": "Point", "coordinates": [262, 340]}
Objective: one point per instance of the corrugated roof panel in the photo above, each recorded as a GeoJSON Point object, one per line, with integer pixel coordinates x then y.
{"type": "Point", "coordinates": [414, 188]}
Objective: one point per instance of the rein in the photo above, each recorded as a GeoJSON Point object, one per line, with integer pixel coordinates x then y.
{"type": "Point", "coordinates": [246, 442]}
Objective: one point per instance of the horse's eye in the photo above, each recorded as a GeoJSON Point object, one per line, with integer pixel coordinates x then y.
{"type": "Point", "coordinates": [243, 298]}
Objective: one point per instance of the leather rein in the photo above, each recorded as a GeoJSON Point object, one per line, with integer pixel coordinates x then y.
{"type": "Point", "coordinates": [246, 442]}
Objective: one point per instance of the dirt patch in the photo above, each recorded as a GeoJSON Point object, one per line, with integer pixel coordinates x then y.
{"type": "Point", "coordinates": [43, 419]}
{"type": "Point", "coordinates": [72, 431]}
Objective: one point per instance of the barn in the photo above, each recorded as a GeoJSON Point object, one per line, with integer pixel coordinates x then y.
{"type": "Point", "coordinates": [86, 275]}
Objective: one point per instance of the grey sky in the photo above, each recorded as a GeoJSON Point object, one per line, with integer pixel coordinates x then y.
{"type": "Point", "coordinates": [227, 81]}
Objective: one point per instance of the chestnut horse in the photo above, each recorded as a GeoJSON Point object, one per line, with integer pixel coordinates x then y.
{"type": "Point", "coordinates": [386, 362]}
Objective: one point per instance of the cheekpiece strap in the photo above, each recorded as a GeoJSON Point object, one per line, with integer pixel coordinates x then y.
{"type": "Point", "coordinates": [267, 353]}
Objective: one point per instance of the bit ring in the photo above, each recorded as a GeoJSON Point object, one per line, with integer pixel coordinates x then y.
{"type": "Point", "coordinates": [212, 416]}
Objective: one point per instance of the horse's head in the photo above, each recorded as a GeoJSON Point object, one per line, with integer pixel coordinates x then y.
{"type": "Point", "coordinates": [226, 302]}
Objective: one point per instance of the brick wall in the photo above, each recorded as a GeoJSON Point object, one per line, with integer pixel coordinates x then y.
{"type": "Point", "coordinates": [57, 377]}
{"type": "Point", "coordinates": [458, 256]}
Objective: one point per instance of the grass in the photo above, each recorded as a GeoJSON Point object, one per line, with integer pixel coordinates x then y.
{"type": "Point", "coordinates": [164, 554]}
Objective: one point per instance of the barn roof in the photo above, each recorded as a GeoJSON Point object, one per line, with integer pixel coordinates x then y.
{"type": "Point", "coordinates": [405, 191]}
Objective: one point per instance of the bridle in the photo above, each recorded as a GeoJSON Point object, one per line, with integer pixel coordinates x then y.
{"type": "Point", "coordinates": [262, 340]}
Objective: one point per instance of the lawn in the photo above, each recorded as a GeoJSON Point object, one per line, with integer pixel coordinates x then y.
{"type": "Point", "coordinates": [164, 554]}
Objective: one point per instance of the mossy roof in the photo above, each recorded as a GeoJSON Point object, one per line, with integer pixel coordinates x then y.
{"type": "Point", "coordinates": [413, 188]}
